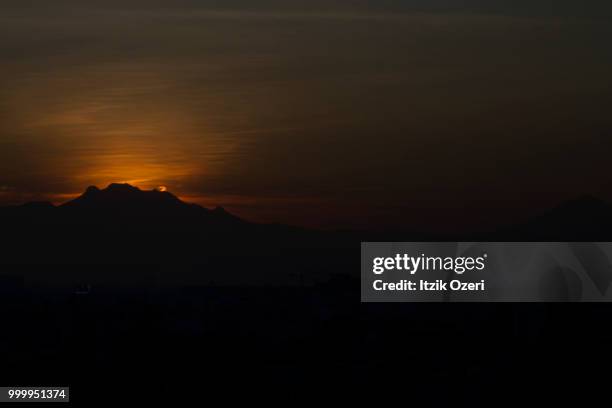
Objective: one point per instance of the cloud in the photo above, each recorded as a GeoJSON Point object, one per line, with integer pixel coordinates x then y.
{"type": "Point", "coordinates": [381, 107]}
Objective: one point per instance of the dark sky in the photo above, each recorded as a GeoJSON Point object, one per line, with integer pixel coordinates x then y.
{"type": "Point", "coordinates": [327, 113]}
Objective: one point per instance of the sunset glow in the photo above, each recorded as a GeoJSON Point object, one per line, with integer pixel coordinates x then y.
{"type": "Point", "coordinates": [277, 109]}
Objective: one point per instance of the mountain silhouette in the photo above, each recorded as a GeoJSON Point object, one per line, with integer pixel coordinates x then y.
{"type": "Point", "coordinates": [131, 225]}
{"type": "Point", "coordinates": [122, 223]}
{"type": "Point", "coordinates": [126, 200]}
{"type": "Point", "coordinates": [119, 202]}
{"type": "Point", "coordinates": [121, 274]}
{"type": "Point", "coordinates": [117, 196]}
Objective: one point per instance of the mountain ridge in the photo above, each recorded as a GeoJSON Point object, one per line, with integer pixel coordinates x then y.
{"type": "Point", "coordinates": [583, 218]}
{"type": "Point", "coordinates": [116, 193]}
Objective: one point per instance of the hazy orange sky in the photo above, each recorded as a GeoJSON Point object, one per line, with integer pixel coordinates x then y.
{"type": "Point", "coordinates": [320, 113]}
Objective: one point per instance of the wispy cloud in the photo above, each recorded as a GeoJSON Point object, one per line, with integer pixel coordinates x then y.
{"type": "Point", "coordinates": [327, 104]}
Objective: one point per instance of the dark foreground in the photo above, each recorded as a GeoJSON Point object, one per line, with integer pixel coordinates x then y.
{"type": "Point", "coordinates": [129, 295]}
{"type": "Point", "coordinates": [151, 340]}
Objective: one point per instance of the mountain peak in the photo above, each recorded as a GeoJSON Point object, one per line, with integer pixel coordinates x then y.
{"type": "Point", "coordinates": [121, 187]}
{"type": "Point", "coordinates": [111, 189]}
{"type": "Point", "coordinates": [122, 200]}
{"type": "Point", "coordinates": [125, 197]}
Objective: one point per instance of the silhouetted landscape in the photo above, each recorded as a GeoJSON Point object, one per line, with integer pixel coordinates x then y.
{"type": "Point", "coordinates": [238, 153]}
{"type": "Point", "coordinates": [143, 291]}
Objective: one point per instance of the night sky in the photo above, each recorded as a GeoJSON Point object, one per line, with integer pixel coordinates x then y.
{"type": "Point", "coordinates": [320, 113]}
